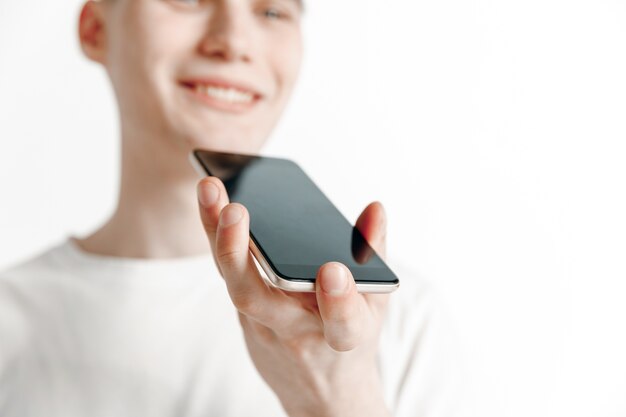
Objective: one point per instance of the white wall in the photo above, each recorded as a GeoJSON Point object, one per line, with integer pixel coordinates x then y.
{"type": "Point", "coordinates": [493, 131]}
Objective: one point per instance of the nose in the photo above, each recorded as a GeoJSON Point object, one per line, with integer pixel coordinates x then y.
{"type": "Point", "coordinates": [228, 36]}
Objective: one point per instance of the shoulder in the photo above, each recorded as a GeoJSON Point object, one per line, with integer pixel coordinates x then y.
{"type": "Point", "coordinates": [23, 286]}
{"type": "Point", "coordinates": [32, 269]}
{"type": "Point", "coordinates": [44, 260]}
{"type": "Point", "coordinates": [32, 274]}
{"type": "Point", "coordinates": [30, 284]}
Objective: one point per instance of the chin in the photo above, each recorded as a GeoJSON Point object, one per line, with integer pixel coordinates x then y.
{"type": "Point", "coordinates": [225, 142]}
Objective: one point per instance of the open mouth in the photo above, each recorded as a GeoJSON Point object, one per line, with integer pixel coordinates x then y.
{"type": "Point", "coordinates": [222, 95]}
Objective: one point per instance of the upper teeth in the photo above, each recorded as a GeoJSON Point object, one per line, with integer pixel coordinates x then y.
{"type": "Point", "coordinates": [230, 95]}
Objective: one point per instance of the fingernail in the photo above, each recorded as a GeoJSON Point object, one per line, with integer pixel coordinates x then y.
{"type": "Point", "coordinates": [208, 194]}
{"type": "Point", "coordinates": [334, 280]}
{"type": "Point", "coordinates": [231, 215]}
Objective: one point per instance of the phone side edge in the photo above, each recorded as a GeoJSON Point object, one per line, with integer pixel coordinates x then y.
{"type": "Point", "coordinates": [273, 279]}
{"type": "Point", "coordinates": [197, 165]}
{"type": "Point", "coordinates": [297, 286]}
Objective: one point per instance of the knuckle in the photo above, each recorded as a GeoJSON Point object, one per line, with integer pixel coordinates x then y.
{"type": "Point", "coordinates": [342, 334]}
{"type": "Point", "coordinates": [246, 303]}
{"type": "Point", "coordinates": [296, 347]}
{"type": "Point", "coordinates": [343, 343]}
{"type": "Point", "coordinates": [265, 335]}
{"type": "Point", "coordinates": [301, 346]}
{"type": "Point", "coordinates": [210, 226]}
{"type": "Point", "coordinates": [251, 328]}
{"type": "Point", "coordinates": [342, 322]}
{"type": "Point", "coordinates": [228, 257]}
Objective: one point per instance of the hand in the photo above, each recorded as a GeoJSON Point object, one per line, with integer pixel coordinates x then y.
{"type": "Point", "coordinates": [317, 351]}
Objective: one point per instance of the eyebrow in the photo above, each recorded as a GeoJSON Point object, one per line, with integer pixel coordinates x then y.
{"type": "Point", "coordinates": [300, 4]}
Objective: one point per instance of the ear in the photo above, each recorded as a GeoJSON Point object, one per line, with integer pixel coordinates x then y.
{"type": "Point", "coordinates": [91, 31]}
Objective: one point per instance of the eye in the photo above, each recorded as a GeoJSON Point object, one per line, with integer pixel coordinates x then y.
{"type": "Point", "coordinates": [186, 3]}
{"type": "Point", "coordinates": [274, 10]}
{"type": "Point", "coordinates": [273, 13]}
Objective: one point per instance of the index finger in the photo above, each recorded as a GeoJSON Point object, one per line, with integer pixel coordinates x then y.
{"type": "Point", "coordinates": [212, 198]}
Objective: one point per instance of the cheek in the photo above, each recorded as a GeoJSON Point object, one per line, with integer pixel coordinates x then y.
{"type": "Point", "coordinates": [159, 39]}
{"type": "Point", "coordinates": [157, 47]}
{"type": "Point", "coordinates": [286, 58]}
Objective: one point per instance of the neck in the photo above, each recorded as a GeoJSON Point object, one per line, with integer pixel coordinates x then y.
{"type": "Point", "coordinates": [157, 212]}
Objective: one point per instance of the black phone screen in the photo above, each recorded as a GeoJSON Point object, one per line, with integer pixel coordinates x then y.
{"type": "Point", "coordinates": [292, 222]}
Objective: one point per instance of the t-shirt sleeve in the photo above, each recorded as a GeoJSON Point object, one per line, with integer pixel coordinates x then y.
{"type": "Point", "coordinates": [420, 359]}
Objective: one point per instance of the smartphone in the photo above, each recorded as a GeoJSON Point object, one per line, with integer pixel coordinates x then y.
{"type": "Point", "coordinates": [294, 227]}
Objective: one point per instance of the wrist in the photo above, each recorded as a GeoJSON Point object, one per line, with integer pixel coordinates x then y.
{"type": "Point", "coordinates": [357, 395]}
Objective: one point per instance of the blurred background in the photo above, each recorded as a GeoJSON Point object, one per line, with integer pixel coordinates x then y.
{"type": "Point", "coordinates": [492, 131]}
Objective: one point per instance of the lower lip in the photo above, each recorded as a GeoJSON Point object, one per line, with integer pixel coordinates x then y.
{"type": "Point", "coordinates": [220, 104]}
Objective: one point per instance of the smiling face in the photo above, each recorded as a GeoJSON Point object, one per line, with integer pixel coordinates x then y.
{"type": "Point", "coordinates": [196, 73]}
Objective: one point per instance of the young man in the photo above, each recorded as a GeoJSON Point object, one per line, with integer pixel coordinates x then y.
{"type": "Point", "coordinates": [135, 319]}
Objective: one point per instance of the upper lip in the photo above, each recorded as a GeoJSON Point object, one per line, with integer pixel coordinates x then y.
{"type": "Point", "coordinates": [221, 82]}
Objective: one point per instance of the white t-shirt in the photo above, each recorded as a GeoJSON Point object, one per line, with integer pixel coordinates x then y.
{"type": "Point", "coordinates": [89, 335]}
